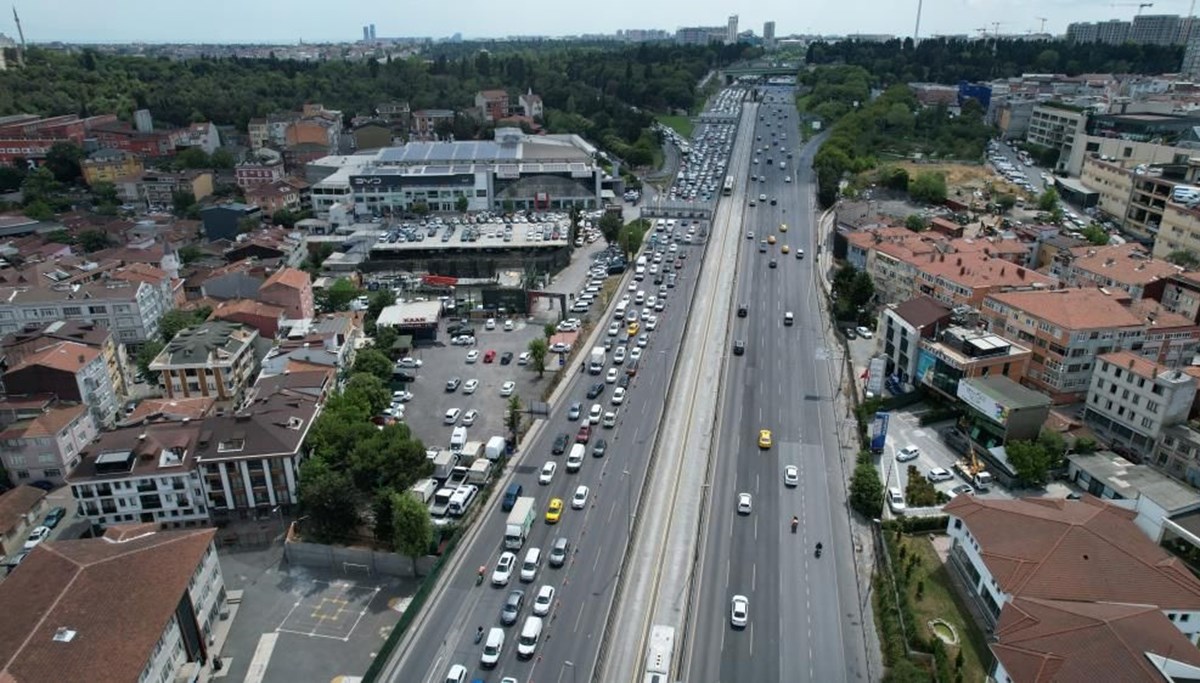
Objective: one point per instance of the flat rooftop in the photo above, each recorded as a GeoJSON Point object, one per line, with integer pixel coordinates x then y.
{"type": "Point", "coordinates": [491, 236]}
{"type": "Point", "coordinates": [1131, 480]}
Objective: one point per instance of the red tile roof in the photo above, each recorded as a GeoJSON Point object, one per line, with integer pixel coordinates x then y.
{"type": "Point", "coordinates": [1083, 550]}
{"type": "Point", "coordinates": [1127, 264]}
{"type": "Point", "coordinates": [68, 356]}
{"type": "Point", "coordinates": [16, 503]}
{"type": "Point", "coordinates": [48, 424]}
{"type": "Point", "coordinates": [1073, 309]}
{"type": "Point", "coordinates": [1134, 363]}
{"type": "Point", "coordinates": [288, 277]}
{"type": "Point", "coordinates": [975, 270]}
{"type": "Point", "coordinates": [117, 597]}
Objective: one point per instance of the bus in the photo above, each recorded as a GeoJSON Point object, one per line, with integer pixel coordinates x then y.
{"type": "Point", "coordinates": [728, 185]}
{"type": "Point", "coordinates": [660, 655]}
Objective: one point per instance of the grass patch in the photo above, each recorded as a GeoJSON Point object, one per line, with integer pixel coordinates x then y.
{"type": "Point", "coordinates": [938, 599]}
{"type": "Point", "coordinates": [680, 124]}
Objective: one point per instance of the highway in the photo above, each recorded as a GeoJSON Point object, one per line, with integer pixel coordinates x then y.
{"type": "Point", "coordinates": [444, 634]}
{"type": "Point", "coordinates": [804, 617]}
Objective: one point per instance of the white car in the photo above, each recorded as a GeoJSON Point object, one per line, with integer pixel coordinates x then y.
{"type": "Point", "coordinates": [579, 500]}
{"type": "Point", "coordinates": [895, 500]}
{"type": "Point", "coordinates": [544, 601]}
{"type": "Point", "coordinates": [611, 376]}
{"type": "Point", "coordinates": [618, 396]}
{"type": "Point", "coordinates": [472, 356]}
{"type": "Point", "coordinates": [492, 647]}
{"type": "Point", "coordinates": [643, 339]}
{"type": "Point", "coordinates": [547, 474]}
{"type": "Point", "coordinates": [451, 416]}
{"type": "Point", "coordinates": [614, 329]}
{"type": "Point", "coordinates": [635, 354]}
{"type": "Point", "coordinates": [36, 536]}
{"type": "Point", "coordinates": [457, 674]}
{"type": "Point", "coordinates": [504, 569]}
{"type": "Point", "coordinates": [619, 355]}
{"type": "Point", "coordinates": [739, 613]}
{"type": "Point", "coordinates": [652, 321]}
{"type": "Point", "coordinates": [864, 332]}
{"type": "Point", "coordinates": [409, 362]}
{"type": "Point", "coordinates": [469, 417]}
{"type": "Point", "coordinates": [508, 326]}
{"type": "Point", "coordinates": [401, 396]}
{"type": "Point", "coordinates": [908, 453]}
{"type": "Point", "coordinates": [470, 386]}
{"type": "Point", "coordinates": [610, 419]}
{"type": "Point", "coordinates": [490, 324]}
{"type": "Point", "coordinates": [939, 474]}
{"type": "Point", "coordinates": [743, 504]}
{"type": "Point", "coordinates": [508, 388]}
{"type": "Point", "coordinates": [791, 475]}
{"type": "Point", "coordinates": [762, 197]}
{"type": "Point", "coordinates": [523, 359]}
{"type": "Point", "coordinates": [595, 413]}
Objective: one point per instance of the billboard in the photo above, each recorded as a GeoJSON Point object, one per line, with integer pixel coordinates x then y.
{"type": "Point", "coordinates": [878, 431]}
{"type": "Point", "coordinates": [986, 405]}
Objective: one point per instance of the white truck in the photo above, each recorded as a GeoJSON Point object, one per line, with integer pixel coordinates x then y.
{"type": "Point", "coordinates": [596, 360]}
{"type": "Point", "coordinates": [480, 472]}
{"type": "Point", "coordinates": [443, 464]}
{"type": "Point", "coordinates": [520, 521]}
{"type": "Point", "coordinates": [494, 450]}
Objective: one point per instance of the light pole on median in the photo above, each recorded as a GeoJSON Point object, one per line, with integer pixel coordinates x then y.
{"type": "Point", "coordinates": [629, 504]}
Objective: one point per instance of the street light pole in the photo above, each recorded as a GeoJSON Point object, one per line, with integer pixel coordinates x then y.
{"type": "Point", "coordinates": [628, 504]}
{"type": "Point", "coordinates": [572, 665]}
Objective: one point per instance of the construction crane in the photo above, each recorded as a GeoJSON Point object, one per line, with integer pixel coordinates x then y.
{"type": "Point", "coordinates": [1043, 20]}
{"type": "Point", "coordinates": [1140, 5]}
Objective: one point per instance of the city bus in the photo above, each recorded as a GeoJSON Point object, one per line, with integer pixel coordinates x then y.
{"type": "Point", "coordinates": [728, 185]}
{"type": "Point", "coordinates": [660, 655]}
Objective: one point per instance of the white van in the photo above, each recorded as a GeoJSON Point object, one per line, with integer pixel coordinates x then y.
{"type": "Point", "coordinates": [619, 314]}
{"type": "Point", "coordinates": [529, 568]}
{"type": "Point", "coordinates": [493, 647]}
{"type": "Point", "coordinates": [640, 297]}
{"type": "Point", "coordinates": [461, 499]}
{"type": "Point", "coordinates": [639, 273]}
{"type": "Point", "coordinates": [531, 633]}
{"type": "Point", "coordinates": [458, 438]}
{"type": "Point", "coordinates": [575, 458]}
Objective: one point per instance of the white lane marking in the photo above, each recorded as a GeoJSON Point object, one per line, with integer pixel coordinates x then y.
{"type": "Point", "coordinates": [261, 658]}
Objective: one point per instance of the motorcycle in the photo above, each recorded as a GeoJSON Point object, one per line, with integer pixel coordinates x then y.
{"type": "Point", "coordinates": [795, 523]}
{"type": "Point", "coordinates": [479, 576]}
{"type": "Point", "coordinates": [479, 635]}
{"type": "Point", "coordinates": [818, 551]}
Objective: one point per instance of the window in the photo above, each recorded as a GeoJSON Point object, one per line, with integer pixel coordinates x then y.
{"type": "Point", "coordinates": [234, 444]}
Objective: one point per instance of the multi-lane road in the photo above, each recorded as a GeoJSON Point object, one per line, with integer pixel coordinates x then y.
{"type": "Point", "coordinates": [804, 617]}
{"type": "Point", "coordinates": [444, 634]}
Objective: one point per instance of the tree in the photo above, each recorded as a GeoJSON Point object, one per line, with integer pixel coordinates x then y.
{"type": "Point", "coordinates": [1006, 202]}
{"type": "Point", "coordinates": [39, 211]}
{"type": "Point", "coordinates": [461, 204]}
{"type": "Point", "coordinates": [610, 227]}
{"type": "Point", "coordinates": [175, 320]}
{"type": "Point", "coordinates": [329, 499]}
{"type": "Point", "coordinates": [383, 511]}
{"type": "Point", "coordinates": [249, 224]}
{"type": "Point", "coordinates": [549, 330]}
{"type": "Point", "coordinates": [513, 419]}
{"type": "Point", "coordinates": [537, 355]}
{"type": "Point", "coordinates": [1048, 201]}
{"type": "Point", "coordinates": [895, 178]}
{"type": "Point", "coordinates": [181, 200]}
{"type": "Point", "coordinates": [919, 492]}
{"type": "Point", "coordinates": [222, 158]}
{"type": "Point", "coordinates": [336, 297]}
{"type": "Point", "coordinates": [915, 223]}
{"type": "Point", "coordinates": [146, 356]}
{"type": "Point", "coordinates": [105, 193]}
{"type": "Point", "coordinates": [385, 338]}
{"type": "Point", "coordinates": [62, 160]}
{"type": "Point", "coordinates": [1095, 235]}
{"type": "Point", "coordinates": [866, 491]}
{"type": "Point", "coordinates": [1185, 258]}
{"type": "Point", "coordinates": [389, 457]}
{"type": "Point", "coordinates": [373, 390]}
{"type": "Point", "coordinates": [11, 177]}
{"type": "Point", "coordinates": [192, 157]}
{"type": "Point", "coordinates": [412, 527]}
{"type": "Point", "coordinates": [190, 253]}
{"type": "Point", "coordinates": [40, 186]}
{"type": "Point", "coordinates": [928, 187]}
{"type": "Point", "coordinates": [379, 300]}
{"type": "Point", "coordinates": [373, 362]}
{"type": "Point", "coordinates": [1030, 460]}
{"type": "Point", "coordinates": [419, 208]}
{"type": "Point", "coordinates": [632, 236]}
{"type": "Point", "coordinates": [93, 240]}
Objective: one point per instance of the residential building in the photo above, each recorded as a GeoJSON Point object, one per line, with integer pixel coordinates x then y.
{"type": "Point", "coordinates": [68, 126]}
{"type": "Point", "coordinates": [264, 167]}
{"type": "Point", "coordinates": [1055, 126]}
{"type": "Point", "coordinates": [29, 149]}
{"type": "Point", "coordinates": [961, 352]}
{"type": "Point", "coordinates": [156, 189]}
{"type": "Point", "coordinates": [1171, 339]}
{"type": "Point", "coordinates": [1132, 400]}
{"type": "Point", "coordinates": [1191, 56]}
{"type": "Point", "coordinates": [395, 113]}
{"type": "Point", "coordinates": [72, 372]}
{"type": "Point", "coordinates": [17, 346]}
{"type": "Point", "coordinates": [425, 123]}
{"type": "Point", "coordinates": [203, 136]}
{"type": "Point", "coordinates": [135, 605]}
{"type": "Point", "coordinates": [967, 278]}
{"type": "Point", "coordinates": [1179, 230]}
{"type": "Point", "coordinates": [263, 317]}
{"type": "Point", "coordinates": [122, 136]}
{"type": "Point", "coordinates": [109, 166]}
{"type": "Point", "coordinates": [1177, 454]}
{"type": "Point", "coordinates": [1124, 151]}
{"type": "Point", "coordinates": [250, 462]}
{"type": "Point", "coordinates": [1128, 267]}
{"type": "Point", "coordinates": [901, 329]}
{"type": "Point", "coordinates": [731, 30]}
{"type": "Point", "coordinates": [21, 509]}
{"type": "Point", "coordinates": [259, 133]}
{"type": "Point", "coordinates": [700, 35]}
{"type": "Point", "coordinates": [241, 279]}
{"type": "Point", "coordinates": [46, 446]}
{"type": "Point", "coordinates": [224, 221]}
{"type": "Point", "coordinates": [215, 358]}
{"type": "Point", "coordinates": [531, 105]}
{"type": "Point", "coordinates": [1156, 29]}
{"type": "Point", "coordinates": [1021, 558]}
{"type": "Point", "coordinates": [1066, 329]}
{"type": "Point", "coordinates": [1181, 295]}
{"type": "Point", "coordinates": [291, 289]}
{"type": "Point", "coordinates": [997, 410]}
{"type": "Point", "coordinates": [273, 197]}
{"type": "Point", "coordinates": [327, 341]}
{"type": "Point", "coordinates": [492, 104]}
{"type": "Point", "coordinates": [131, 309]}
{"type": "Point", "coordinates": [1111, 32]}
{"type": "Point", "coordinates": [769, 34]}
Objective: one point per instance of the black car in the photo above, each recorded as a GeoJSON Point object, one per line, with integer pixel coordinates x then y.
{"type": "Point", "coordinates": [624, 380]}
{"type": "Point", "coordinates": [512, 607]}
{"type": "Point", "coordinates": [773, 264]}
{"type": "Point", "coordinates": [743, 311]}
{"type": "Point", "coordinates": [43, 485]}
{"type": "Point", "coordinates": [599, 448]}
{"type": "Point", "coordinates": [560, 444]}
{"type": "Point", "coordinates": [773, 201]}
{"type": "Point", "coordinates": [506, 357]}
{"type": "Point", "coordinates": [595, 390]}
{"type": "Point", "coordinates": [739, 348]}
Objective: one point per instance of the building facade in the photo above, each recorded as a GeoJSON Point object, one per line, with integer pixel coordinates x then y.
{"type": "Point", "coordinates": [46, 446]}
{"type": "Point", "coordinates": [1132, 400]}
{"type": "Point", "coordinates": [70, 371]}
{"type": "Point", "coordinates": [215, 360]}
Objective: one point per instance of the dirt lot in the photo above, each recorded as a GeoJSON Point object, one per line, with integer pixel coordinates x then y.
{"type": "Point", "coordinates": [966, 177]}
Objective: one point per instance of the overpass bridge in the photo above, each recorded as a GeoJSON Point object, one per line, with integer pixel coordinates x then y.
{"type": "Point", "coordinates": [759, 70]}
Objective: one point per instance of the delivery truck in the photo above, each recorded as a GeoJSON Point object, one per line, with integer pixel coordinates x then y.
{"type": "Point", "coordinates": [520, 521]}
{"type": "Point", "coordinates": [596, 361]}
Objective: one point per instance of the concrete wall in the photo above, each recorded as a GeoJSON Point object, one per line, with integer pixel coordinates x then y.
{"type": "Point", "coordinates": [333, 557]}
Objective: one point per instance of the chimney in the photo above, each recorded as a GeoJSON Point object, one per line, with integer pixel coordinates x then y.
{"type": "Point", "coordinates": [1002, 272]}
{"type": "Point", "coordinates": [960, 260]}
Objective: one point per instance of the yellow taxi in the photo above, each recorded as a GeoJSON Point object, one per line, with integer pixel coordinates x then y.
{"type": "Point", "coordinates": [783, 227]}
{"type": "Point", "coordinates": [764, 438]}
{"type": "Point", "coordinates": [634, 327]}
{"type": "Point", "coordinates": [555, 511]}
{"type": "Point", "coordinates": [770, 239]}
{"type": "Point", "coordinates": [785, 249]}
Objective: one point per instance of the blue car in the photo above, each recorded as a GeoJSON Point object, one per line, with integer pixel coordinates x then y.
{"type": "Point", "coordinates": [54, 517]}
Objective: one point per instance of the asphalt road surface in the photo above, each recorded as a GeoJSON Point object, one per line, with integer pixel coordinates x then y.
{"type": "Point", "coordinates": [804, 616]}
{"type": "Point", "coordinates": [445, 634]}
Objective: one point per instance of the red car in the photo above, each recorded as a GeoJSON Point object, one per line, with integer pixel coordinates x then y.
{"type": "Point", "coordinates": [585, 433]}
{"type": "Point", "coordinates": [678, 264]}
{"type": "Point", "coordinates": [489, 356]}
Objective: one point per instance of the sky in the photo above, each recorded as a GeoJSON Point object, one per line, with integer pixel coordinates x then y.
{"type": "Point", "coordinates": [288, 21]}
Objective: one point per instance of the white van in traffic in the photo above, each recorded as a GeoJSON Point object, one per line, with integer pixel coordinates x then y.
{"type": "Point", "coordinates": [531, 633]}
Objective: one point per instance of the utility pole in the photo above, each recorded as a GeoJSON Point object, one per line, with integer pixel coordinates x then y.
{"type": "Point", "coordinates": [917, 30]}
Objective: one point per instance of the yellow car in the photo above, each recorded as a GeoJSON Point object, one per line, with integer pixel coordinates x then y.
{"type": "Point", "coordinates": [785, 249]}
{"type": "Point", "coordinates": [555, 511]}
{"type": "Point", "coordinates": [633, 329]}
{"type": "Point", "coordinates": [783, 227]}
{"type": "Point", "coordinates": [764, 439]}
{"type": "Point", "coordinates": [770, 239]}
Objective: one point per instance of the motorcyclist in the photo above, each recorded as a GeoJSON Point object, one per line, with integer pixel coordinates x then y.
{"type": "Point", "coordinates": [795, 523]}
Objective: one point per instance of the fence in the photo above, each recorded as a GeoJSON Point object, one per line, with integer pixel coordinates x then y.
{"type": "Point", "coordinates": [336, 557]}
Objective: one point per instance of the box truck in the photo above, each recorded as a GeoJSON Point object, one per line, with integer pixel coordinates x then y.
{"type": "Point", "coordinates": [520, 521]}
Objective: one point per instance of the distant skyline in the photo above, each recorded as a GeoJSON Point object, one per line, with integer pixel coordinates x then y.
{"type": "Point", "coordinates": [288, 21]}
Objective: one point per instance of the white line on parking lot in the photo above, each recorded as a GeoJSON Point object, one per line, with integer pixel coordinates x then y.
{"type": "Point", "coordinates": [262, 657]}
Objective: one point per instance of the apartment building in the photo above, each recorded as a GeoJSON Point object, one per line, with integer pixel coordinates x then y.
{"type": "Point", "coordinates": [901, 329]}
{"type": "Point", "coordinates": [1181, 295]}
{"type": "Point", "coordinates": [265, 166]}
{"type": "Point", "coordinates": [531, 105]}
{"type": "Point", "coordinates": [71, 372]}
{"type": "Point", "coordinates": [109, 166]}
{"type": "Point", "coordinates": [134, 605]}
{"type": "Point", "coordinates": [1066, 330]}
{"type": "Point", "coordinates": [17, 346]}
{"type": "Point", "coordinates": [1179, 230]}
{"type": "Point", "coordinates": [142, 473]}
{"type": "Point", "coordinates": [46, 445]}
{"type": "Point", "coordinates": [156, 189]}
{"type": "Point", "coordinates": [273, 197]}
{"type": "Point", "coordinates": [1056, 126]}
{"type": "Point", "coordinates": [1171, 339]}
{"type": "Point", "coordinates": [21, 509]}
{"type": "Point", "coordinates": [291, 289]}
{"type": "Point", "coordinates": [967, 278]}
{"type": "Point", "coordinates": [958, 353]}
{"type": "Point", "coordinates": [130, 309]}
{"type": "Point", "coordinates": [214, 359]}
{"type": "Point", "coordinates": [1127, 267]}
{"type": "Point", "coordinates": [425, 122]}
{"type": "Point", "coordinates": [1132, 400]}
{"type": "Point", "coordinates": [492, 104]}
